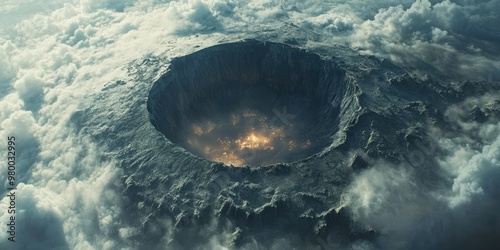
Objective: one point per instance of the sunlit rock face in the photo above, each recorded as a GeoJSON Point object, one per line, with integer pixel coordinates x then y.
{"type": "Point", "coordinates": [250, 103]}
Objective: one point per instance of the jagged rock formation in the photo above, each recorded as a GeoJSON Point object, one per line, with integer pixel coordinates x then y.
{"type": "Point", "coordinates": [363, 109]}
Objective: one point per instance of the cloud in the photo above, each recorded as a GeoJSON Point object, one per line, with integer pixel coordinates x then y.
{"type": "Point", "coordinates": [440, 37]}
{"type": "Point", "coordinates": [116, 5]}
{"type": "Point", "coordinates": [8, 69]}
{"type": "Point", "coordinates": [195, 16]}
{"type": "Point", "coordinates": [22, 125]}
{"type": "Point", "coordinates": [30, 89]}
{"type": "Point", "coordinates": [62, 215]}
{"type": "Point", "coordinates": [475, 173]}
{"type": "Point", "coordinates": [66, 193]}
{"type": "Point", "coordinates": [36, 226]}
{"type": "Point", "coordinates": [458, 212]}
{"type": "Point", "coordinates": [388, 199]}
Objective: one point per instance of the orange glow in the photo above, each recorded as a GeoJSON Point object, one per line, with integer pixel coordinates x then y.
{"type": "Point", "coordinates": [243, 138]}
{"type": "Point", "coordinates": [254, 141]}
{"type": "Point", "coordinates": [198, 130]}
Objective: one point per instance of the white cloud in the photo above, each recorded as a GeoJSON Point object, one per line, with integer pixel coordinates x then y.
{"type": "Point", "coordinates": [388, 199]}
{"type": "Point", "coordinates": [30, 88]}
{"type": "Point", "coordinates": [407, 214]}
{"type": "Point", "coordinates": [425, 36]}
{"type": "Point", "coordinates": [22, 125]}
{"type": "Point", "coordinates": [65, 214]}
{"type": "Point", "coordinates": [116, 5]}
{"type": "Point", "coordinates": [8, 69]}
{"type": "Point", "coordinates": [474, 172]}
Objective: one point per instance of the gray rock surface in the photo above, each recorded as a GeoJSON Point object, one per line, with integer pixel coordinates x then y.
{"type": "Point", "coordinates": [370, 110]}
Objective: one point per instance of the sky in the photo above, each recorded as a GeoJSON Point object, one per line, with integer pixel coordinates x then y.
{"type": "Point", "coordinates": [57, 56]}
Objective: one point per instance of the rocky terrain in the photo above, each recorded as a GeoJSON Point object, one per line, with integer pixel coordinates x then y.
{"type": "Point", "coordinates": [362, 110]}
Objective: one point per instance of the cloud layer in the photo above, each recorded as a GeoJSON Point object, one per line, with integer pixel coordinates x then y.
{"type": "Point", "coordinates": [55, 55]}
{"type": "Point", "coordinates": [459, 213]}
{"type": "Point", "coordinates": [445, 37]}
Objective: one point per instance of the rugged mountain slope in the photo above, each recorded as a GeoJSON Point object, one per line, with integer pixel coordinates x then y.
{"type": "Point", "coordinates": [368, 110]}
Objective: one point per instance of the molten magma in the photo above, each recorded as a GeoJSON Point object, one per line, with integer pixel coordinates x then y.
{"type": "Point", "coordinates": [254, 141]}
{"type": "Point", "coordinates": [253, 103]}
{"type": "Point", "coordinates": [245, 139]}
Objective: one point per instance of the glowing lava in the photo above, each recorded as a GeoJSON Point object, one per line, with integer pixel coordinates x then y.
{"type": "Point", "coordinates": [254, 141]}
{"type": "Point", "coordinates": [242, 138]}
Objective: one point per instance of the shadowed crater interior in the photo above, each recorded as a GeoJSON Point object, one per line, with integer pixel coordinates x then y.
{"type": "Point", "coordinates": [250, 103]}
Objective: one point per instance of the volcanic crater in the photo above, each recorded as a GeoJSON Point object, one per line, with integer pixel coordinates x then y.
{"type": "Point", "coordinates": [251, 103]}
